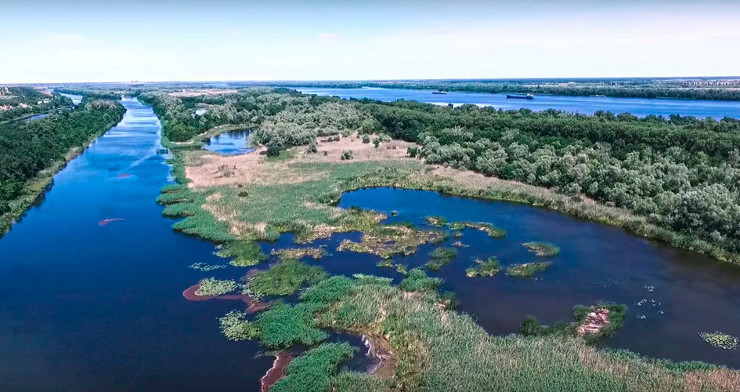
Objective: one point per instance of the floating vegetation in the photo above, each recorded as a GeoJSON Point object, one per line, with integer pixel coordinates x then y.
{"type": "Point", "coordinates": [440, 258]}
{"type": "Point", "coordinates": [372, 279]}
{"type": "Point", "coordinates": [457, 234]}
{"type": "Point", "coordinates": [298, 253]}
{"type": "Point", "coordinates": [402, 269]}
{"type": "Point", "coordinates": [436, 221]}
{"type": "Point", "coordinates": [235, 326]}
{"type": "Point", "coordinates": [543, 249]}
{"type": "Point", "coordinates": [245, 253]}
{"type": "Point", "coordinates": [214, 287]}
{"type": "Point", "coordinates": [650, 288]}
{"type": "Point", "coordinates": [386, 263]}
{"type": "Point", "coordinates": [417, 280]}
{"type": "Point", "coordinates": [283, 278]}
{"type": "Point", "coordinates": [491, 230]}
{"type": "Point", "coordinates": [527, 270]}
{"type": "Point", "coordinates": [387, 240]}
{"type": "Point", "coordinates": [484, 268]}
{"type": "Point", "coordinates": [205, 267]}
{"type": "Point", "coordinates": [394, 213]}
{"type": "Point", "coordinates": [720, 340]}
{"type": "Point", "coordinates": [459, 244]}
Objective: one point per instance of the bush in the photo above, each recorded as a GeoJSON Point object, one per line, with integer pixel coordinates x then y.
{"type": "Point", "coordinates": [366, 138]}
{"type": "Point", "coordinates": [273, 151]}
{"type": "Point", "coordinates": [347, 155]}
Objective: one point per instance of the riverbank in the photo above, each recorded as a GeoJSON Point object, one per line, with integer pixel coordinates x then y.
{"type": "Point", "coordinates": [35, 188]}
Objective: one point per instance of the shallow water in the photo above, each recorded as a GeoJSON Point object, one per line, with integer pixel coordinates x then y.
{"type": "Point", "coordinates": [229, 143]}
{"type": "Point", "coordinates": [671, 294]}
{"type": "Point", "coordinates": [587, 105]}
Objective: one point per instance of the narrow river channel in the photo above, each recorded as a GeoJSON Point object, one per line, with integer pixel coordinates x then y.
{"type": "Point", "coordinates": [91, 282]}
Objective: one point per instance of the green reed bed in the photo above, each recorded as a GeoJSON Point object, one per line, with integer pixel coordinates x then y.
{"type": "Point", "coordinates": [441, 257]}
{"type": "Point", "coordinates": [527, 270]}
{"type": "Point", "coordinates": [542, 249]}
{"type": "Point", "coordinates": [491, 230]}
{"type": "Point", "coordinates": [213, 286]}
{"type": "Point", "coordinates": [283, 278]}
{"type": "Point", "coordinates": [484, 268]}
{"type": "Point", "coordinates": [312, 371]}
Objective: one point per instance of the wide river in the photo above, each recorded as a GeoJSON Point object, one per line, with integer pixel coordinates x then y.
{"type": "Point", "coordinates": [586, 105]}
{"type": "Point", "coordinates": [91, 279]}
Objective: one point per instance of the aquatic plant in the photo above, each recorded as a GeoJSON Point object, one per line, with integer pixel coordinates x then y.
{"type": "Point", "coordinates": [245, 253]}
{"type": "Point", "coordinates": [283, 325]}
{"type": "Point", "coordinates": [491, 230]}
{"type": "Point", "coordinates": [371, 279]}
{"type": "Point", "coordinates": [205, 267]}
{"type": "Point", "coordinates": [213, 286]}
{"type": "Point", "coordinates": [283, 278]}
{"type": "Point", "coordinates": [488, 267]}
{"type": "Point", "coordinates": [543, 249]}
{"type": "Point", "coordinates": [387, 240]}
{"type": "Point", "coordinates": [436, 221]}
{"type": "Point", "coordinates": [312, 371]}
{"type": "Point", "coordinates": [417, 280]}
{"type": "Point", "coordinates": [235, 326]}
{"type": "Point", "coordinates": [298, 253]}
{"type": "Point", "coordinates": [527, 270]}
{"type": "Point", "coordinates": [440, 258]}
{"type": "Point", "coordinates": [720, 340]}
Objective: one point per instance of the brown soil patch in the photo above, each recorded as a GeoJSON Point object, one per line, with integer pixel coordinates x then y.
{"type": "Point", "coordinates": [276, 372]}
{"type": "Point", "coordinates": [108, 221]}
{"type": "Point", "coordinates": [380, 349]}
{"type": "Point", "coordinates": [255, 168]}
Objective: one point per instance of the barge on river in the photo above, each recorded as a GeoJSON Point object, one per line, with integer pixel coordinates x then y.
{"type": "Point", "coordinates": [520, 96]}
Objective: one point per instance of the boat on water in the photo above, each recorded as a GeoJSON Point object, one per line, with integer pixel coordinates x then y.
{"type": "Point", "coordinates": [439, 92]}
{"type": "Point", "coordinates": [520, 96]}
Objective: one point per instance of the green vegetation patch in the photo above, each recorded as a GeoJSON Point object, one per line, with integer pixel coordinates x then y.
{"type": "Point", "coordinates": [617, 314]}
{"type": "Point", "coordinates": [312, 371]}
{"type": "Point", "coordinates": [283, 278]}
{"type": "Point", "coordinates": [491, 230]}
{"type": "Point", "coordinates": [298, 253]}
{"type": "Point", "coordinates": [417, 280]}
{"type": "Point", "coordinates": [440, 258]}
{"type": "Point", "coordinates": [213, 286]}
{"type": "Point", "coordinates": [235, 326]}
{"type": "Point", "coordinates": [387, 240]}
{"type": "Point", "coordinates": [284, 325]}
{"type": "Point", "coordinates": [436, 221]}
{"type": "Point", "coordinates": [205, 267]}
{"type": "Point", "coordinates": [527, 270]}
{"type": "Point", "coordinates": [543, 249]}
{"type": "Point", "coordinates": [244, 253]}
{"type": "Point", "coordinates": [720, 340]}
{"type": "Point", "coordinates": [482, 268]}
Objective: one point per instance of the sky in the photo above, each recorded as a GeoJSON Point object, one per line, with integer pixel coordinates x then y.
{"type": "Point", "coordinates": [43, 41]}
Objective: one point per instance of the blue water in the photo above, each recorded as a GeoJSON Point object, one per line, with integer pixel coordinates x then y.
{"type": "Point", "coordinates": [586, 105]}
{"type": "Point", "coordinates": [36, 117]}
{"type": "Point", "coordinates": [100, 308]}
{"type": "Point", "coordinates": [76, 99]}
{"type": "Point", "coordinates": [671, 294]}
{"type": "Point", "coordinates": [229, 143]}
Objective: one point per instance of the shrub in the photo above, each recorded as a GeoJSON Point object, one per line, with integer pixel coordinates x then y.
{"type": "Point", "coordinates": [347, 155]}
{"type": "Point", "coordinates": [366, 138]}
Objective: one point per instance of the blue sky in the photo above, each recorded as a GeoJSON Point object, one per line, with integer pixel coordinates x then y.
{"type": "Point", "coordinates": [75, 41]}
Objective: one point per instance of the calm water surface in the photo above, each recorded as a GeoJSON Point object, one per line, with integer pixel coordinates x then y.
{"type": "Point", "coordinates": [587, 105]}
{"type": "Point", "coordinates": [92, 279]}
{"type": "Point", "coordinates": [229, 143]}
{"type": "Point", "coordinates": [87, 307]}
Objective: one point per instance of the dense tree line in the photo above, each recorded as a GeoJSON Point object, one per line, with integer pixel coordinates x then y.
{"type": "Point", "coordinates": [681, 172]}
{"type": "Point", "coordinates": [17, 102]}
{"type": "Point", "coordinates": [626, 89]}
{"type": "Point", "coordinates": [28, 148]}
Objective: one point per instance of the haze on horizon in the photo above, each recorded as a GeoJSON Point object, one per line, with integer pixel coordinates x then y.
{"type": "Point", "coordinates": [93, 41]}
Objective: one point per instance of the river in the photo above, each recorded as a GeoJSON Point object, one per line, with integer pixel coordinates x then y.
{"type": "Point", "coordinates": [92, 278]}
{"type": "Point", "coordinates": [586, 105]}
{"type": "Point", "coordinates": [98, 307]}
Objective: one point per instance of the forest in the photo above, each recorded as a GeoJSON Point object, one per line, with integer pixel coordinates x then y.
{"type": "Point", "coordinates": [28, 148]}
{"type": "Point", "coordinates": [20, 102]}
